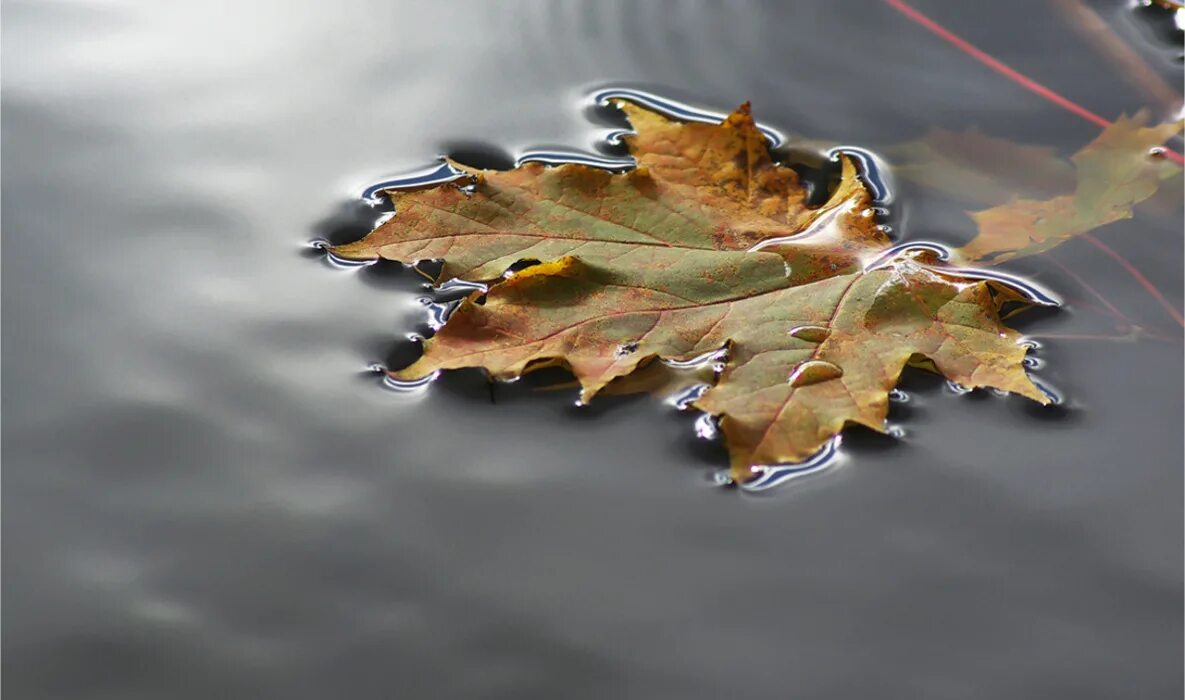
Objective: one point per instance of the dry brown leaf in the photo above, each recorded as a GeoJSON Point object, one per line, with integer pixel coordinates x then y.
{"type": "Point", "coordinates": [707, 244]}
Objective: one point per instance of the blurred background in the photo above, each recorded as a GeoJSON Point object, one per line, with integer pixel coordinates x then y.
{"type": "Point", "coordinates": [206, 494]}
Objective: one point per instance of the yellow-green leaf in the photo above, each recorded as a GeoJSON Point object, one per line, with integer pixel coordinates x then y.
{"type": "Point", "coordinates": [1113, 173]}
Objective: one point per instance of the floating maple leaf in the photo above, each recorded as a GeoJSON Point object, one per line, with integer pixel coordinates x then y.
{"type": "Point", "coordinates": [706, 244]}
{"type": "Point", "coordinates": [1041, 201]}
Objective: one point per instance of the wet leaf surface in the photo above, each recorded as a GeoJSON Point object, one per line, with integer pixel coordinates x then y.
{"type": "Point", "coordinates": [708, 244]}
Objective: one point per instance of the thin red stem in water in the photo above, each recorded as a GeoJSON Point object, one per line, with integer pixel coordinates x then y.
{"type": "Point", "coordinates": [1007, 71]}
{"type": "Point", "coordinates": [1138, 276]}
{"type": "Point", "coordinates": [1039, 89]}
{"type": "Point", "coordinates": [1086, 285]}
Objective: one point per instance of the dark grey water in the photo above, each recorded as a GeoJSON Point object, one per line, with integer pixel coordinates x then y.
{"type": "Point", "coordinates": [206, 495]}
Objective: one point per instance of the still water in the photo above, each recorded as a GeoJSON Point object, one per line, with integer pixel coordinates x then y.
{"type": "Point", "coordinates": [208, 494]}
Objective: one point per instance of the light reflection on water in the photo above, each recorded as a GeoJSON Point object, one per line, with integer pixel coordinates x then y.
{"type": "Point", "coordinates": [770, 476]}
{"type": "Point", "coordinates": [203, 498]}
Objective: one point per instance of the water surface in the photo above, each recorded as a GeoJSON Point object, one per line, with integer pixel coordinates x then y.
{"type": "Point", "coordinates": [206, 493]}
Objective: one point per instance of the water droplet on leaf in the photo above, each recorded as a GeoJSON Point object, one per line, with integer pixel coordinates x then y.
{"type": "Point", "coordinates": [814, 372]}
{"type": "Point", "coordinates": [811, 334]}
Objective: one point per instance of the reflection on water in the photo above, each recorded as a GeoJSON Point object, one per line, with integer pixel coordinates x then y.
{"type": "Point", "coordinates": [776, 475]}
{"type": "Point", "coordinates": [873, 171]}
{"type": "Point", "coordinates": [204, 497]}
{"type": "Point", "coordinates": [675, 109]}
{"type": "Point", "coordinates": [427, 177]}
